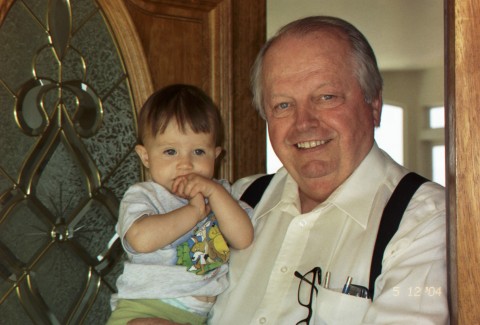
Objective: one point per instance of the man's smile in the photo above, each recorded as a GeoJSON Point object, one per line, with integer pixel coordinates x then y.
{"type": "Point", "coordinates": [311, 144]}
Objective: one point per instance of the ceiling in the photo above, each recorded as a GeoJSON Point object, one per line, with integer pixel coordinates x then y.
{"type": "Point", "coordinates": [405, 34]}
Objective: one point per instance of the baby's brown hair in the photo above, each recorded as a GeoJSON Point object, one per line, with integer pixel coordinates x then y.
{"type": "Point", "coordinates": [188, 105]}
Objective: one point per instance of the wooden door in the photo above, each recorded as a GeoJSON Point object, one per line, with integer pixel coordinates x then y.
{"type": "Point", "coordinates": [211, 44]}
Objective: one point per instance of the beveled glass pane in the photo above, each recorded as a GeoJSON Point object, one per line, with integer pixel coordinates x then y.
{"type": "Point", "coordinates": [12, 308]}
{"type": "Point", "coordinates": [38, 10]}
{"type": "Point", "coordinates": [21, 37]}
{"type": "Point", "coordinates": [14, 143]}
{"type": "Point", "coordinates": [62, 184]}
{"type": "Point", "coordinates": [116, 138]}
{"type": "Point", "coordinates": [104, 66]}
{"type": "Point", "coordinates": [67, 133]}
{"type": "Point", "coordinates": [94, 227]}
{"type": "Point", "coordinates": [61, 277]}
{"type": "Point", "coordinates": [24, 233]}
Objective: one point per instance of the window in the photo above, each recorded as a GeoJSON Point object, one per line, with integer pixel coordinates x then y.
{"type": "Point", "coordinates": [389, 135]}
{"type": "Point", "coordinates": [273, 163]}
{"type": "Point", "coordinates": [436, 117]}
{"type": "Point", "coordinates": [438, 164]}
{"type": "Point", "coordinates": [433, 139]}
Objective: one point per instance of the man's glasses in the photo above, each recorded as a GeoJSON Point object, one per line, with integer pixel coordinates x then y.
{"type": "Point", "coordinates": [306, 288]}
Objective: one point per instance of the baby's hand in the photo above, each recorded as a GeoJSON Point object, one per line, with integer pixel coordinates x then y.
{"type": "Point", "coordinates": [190, 185]}
{"type": "Point", "coordinates": [184, 187]}
{"type": "Point", "coordinates": [198, 202]}
{"type": "Point", "coordinates": [178, 186]}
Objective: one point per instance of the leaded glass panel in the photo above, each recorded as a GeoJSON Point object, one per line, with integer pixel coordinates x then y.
{"type": "Point", "coordinates": [67, 135]}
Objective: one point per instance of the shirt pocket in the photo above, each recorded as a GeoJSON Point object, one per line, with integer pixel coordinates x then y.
{"type": "Point", "coordinates": [333, 307]}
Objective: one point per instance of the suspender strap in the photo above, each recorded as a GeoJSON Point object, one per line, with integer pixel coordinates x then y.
{"type": "Point", "coordinates": [391, 217]}
{"type": "Point", "coordinates": [390, 221]}
{"type": "Point", "coordinates": [254, 192]}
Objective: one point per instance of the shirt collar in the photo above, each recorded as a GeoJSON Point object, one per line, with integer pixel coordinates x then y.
{"type": "Point", "coordinates": [355, 196]}
{"type": "Point", "coordinates": [282, 192]}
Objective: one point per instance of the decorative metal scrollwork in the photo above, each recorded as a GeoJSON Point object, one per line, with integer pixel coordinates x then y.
{"type": "Point", "coordinates": [57, 212]}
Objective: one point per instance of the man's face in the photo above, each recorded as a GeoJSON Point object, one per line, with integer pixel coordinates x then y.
{"type": "Point", "coordinates": [319, 124]}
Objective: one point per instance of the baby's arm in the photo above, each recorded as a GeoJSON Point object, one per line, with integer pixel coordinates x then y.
{"type": "Point", "coordinates": [233, 221]}
{"type": "Point", "coordinates": [153, 232]}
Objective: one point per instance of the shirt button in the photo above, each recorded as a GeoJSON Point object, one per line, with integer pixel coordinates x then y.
{"type": "Point", "coordinates": [262, 320]}
{"type": "Point", "coordinates": [302, 223]}
{"type": "Point", "coordinates": [284, 269]}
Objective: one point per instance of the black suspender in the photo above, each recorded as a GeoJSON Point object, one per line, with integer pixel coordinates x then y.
{"type": "Point", "coordinates": [391, 217]}
{"type": "Point", "coordinates": [389, 223]}
{"type": "Point", "coordinates": [254, 191]}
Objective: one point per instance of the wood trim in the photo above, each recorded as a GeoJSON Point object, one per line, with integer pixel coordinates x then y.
{"type": "Point", "coordinates": [131, 50]}
{"type": "Point", "coordinates": [216, 48]}
{"type": "Point", "coordinates": [4, 8]}
{"type": "Point", "coordinates": [249, 129]}
{"type": "Point", "coordinates": [463, 152]}
{"type": "Point", "coordinates": [190, 42]}
{"type": "Point", "coordinates": [450, 157]}
{"type": "Point", "coordinates": [220, 24]}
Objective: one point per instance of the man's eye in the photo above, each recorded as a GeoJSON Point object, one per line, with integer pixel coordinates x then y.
{"type": "Point", "coordinates": [170, 152]}
{"type": "Point", "coordinates": [283, 106]}
{"type": "Point", "coordinates": [199, 152]}
{"type": "Point", "coordinates": [328, 97]}
{"type": "Point", "coordinates": [328, 101]}
{"type": "Point", "coordinates": [282, 109]}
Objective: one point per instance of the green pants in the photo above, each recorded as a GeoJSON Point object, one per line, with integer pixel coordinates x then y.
{"type": "Point", "coordinates": [140, 308]}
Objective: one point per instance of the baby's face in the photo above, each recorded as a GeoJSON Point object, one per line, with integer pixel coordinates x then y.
{"type": "Point", "coordinates": [175, 153]}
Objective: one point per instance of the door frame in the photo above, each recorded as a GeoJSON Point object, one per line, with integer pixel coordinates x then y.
{"type": "Point", "coordinates": [462, 99]}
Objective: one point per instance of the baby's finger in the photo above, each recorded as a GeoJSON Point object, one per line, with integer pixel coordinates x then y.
{"type": "Point", "coordinates": [178, 186]}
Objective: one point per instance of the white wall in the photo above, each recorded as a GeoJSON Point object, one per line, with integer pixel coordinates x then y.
{"type": "Point", "coordinates": [414, 91]}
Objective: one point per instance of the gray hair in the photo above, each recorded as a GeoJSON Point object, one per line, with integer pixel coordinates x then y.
{"type": "Point", "coordinates": [367, 72]}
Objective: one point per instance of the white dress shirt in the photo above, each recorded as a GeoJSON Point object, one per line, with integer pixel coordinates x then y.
{"type": "Point", "coordinates": [338, 236]}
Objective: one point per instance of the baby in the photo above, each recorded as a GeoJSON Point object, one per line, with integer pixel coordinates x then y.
{"type": "Point", "coordinates": [177, 228]}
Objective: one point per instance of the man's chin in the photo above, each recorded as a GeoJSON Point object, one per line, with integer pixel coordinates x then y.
{"type": "Point", "coordinates": [316, 170]}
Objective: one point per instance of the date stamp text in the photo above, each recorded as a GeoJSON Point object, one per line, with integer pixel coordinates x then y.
{"type": "Point", "coordinates": [417, 291]}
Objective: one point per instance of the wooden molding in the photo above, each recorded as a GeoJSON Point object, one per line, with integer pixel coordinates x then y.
{"type": "Point", "coordinates": [131, 50]}
{"type": "Point", "coordinates": [463, 152]}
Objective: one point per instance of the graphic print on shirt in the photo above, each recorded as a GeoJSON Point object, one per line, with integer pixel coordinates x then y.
{"type": "Point", "coordinates": [206, 249]}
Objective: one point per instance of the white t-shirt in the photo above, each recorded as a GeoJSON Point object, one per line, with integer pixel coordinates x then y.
{"type": "Point", "coordinates": [156, 275]}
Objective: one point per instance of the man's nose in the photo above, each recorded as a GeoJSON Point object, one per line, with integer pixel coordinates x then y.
{"type": "Point", "coordinates": [306, 117]}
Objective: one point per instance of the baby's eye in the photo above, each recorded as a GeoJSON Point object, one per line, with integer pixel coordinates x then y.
{"type": "Point", "coordinates": [170, 152]}
{"type": "Point", "coordinates": [199, 152]}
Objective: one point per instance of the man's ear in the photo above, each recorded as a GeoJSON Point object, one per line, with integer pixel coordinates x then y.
{"type": "Point", "coordinates": [377, 105]}
{"type": "Point", "coordinates": [143, 154]}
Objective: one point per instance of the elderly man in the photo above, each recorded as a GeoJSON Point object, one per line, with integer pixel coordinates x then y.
{"type": "Point", "coordinates": [317, 84]}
